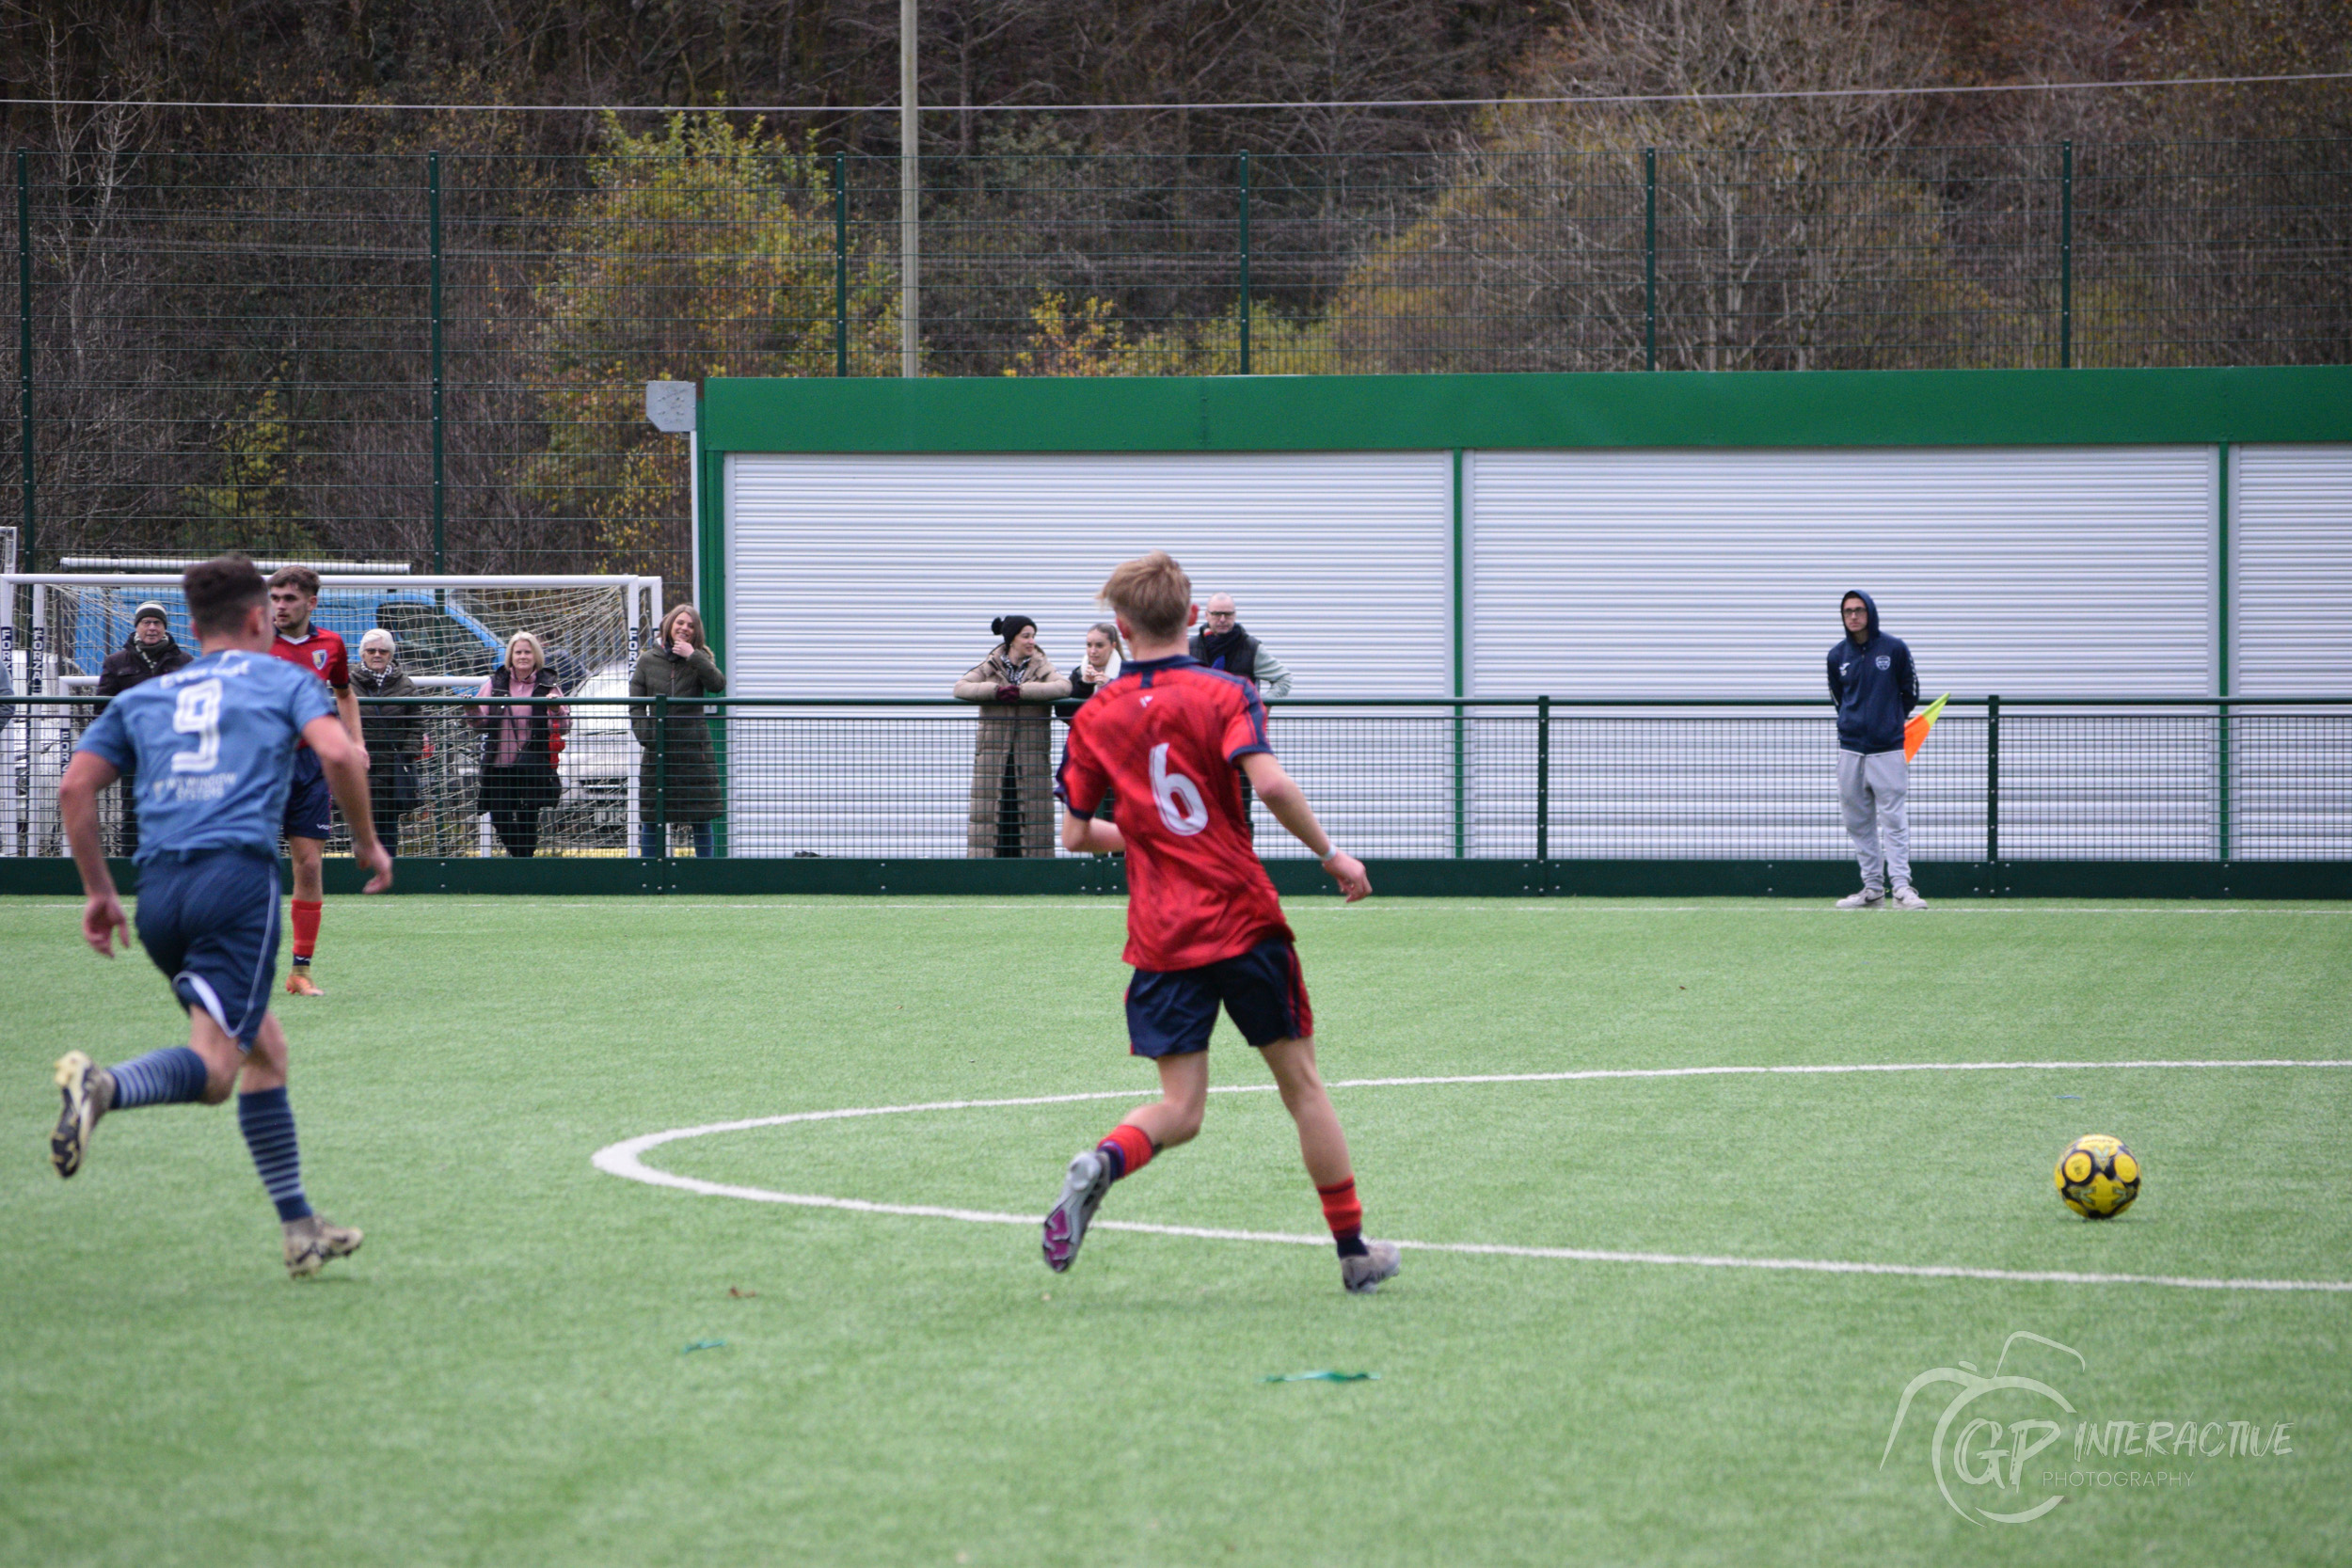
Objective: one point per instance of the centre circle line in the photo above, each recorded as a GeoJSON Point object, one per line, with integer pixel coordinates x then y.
{"type": "Point", "coordinates": [625, 1159]}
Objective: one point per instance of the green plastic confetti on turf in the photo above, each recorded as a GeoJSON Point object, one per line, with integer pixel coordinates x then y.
{"type": "Point", "coordinates": [703, 1344]}
{"type": "Point", "coordinates": [1322, 1377]}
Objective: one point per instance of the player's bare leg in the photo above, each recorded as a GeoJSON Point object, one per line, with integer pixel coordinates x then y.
{"type": "Point", "coordinates": [1323, 1147]}
{"type": "Point", "coordinates": [1171, 1119]}
{"type": "Point", "coordinates": [309, 893]}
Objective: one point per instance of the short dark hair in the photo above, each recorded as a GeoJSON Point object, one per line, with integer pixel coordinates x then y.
{"type": "Point", "coordinates": [221, 591]}
{"type": "Point", "coordinates": [296, 576]}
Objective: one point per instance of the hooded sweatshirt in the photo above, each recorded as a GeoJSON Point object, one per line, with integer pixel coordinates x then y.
{"type": "Point", "coordinates": [1873, 684]}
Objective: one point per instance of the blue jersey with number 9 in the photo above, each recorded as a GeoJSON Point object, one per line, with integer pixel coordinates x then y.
{"type": "Point", "coordinates": [211, 744]}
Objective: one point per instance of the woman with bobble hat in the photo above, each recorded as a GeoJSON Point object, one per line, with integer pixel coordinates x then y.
{"type": "Point", "coordinates": [1012, 773]}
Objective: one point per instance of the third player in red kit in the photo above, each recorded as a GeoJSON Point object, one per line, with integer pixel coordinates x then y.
{"type": "Point", "coordinates": [1168, 741]}
{"type": "Point", "coordinates": [293, 594]}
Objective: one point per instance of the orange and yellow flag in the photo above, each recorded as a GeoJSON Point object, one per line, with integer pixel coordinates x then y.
{"type": "Point", "coordinates": [1915, 731]}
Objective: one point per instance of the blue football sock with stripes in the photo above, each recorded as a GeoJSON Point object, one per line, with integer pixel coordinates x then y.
{"type": "Point", "coordinates": [267, 1122]}
{"type": "Point", "coordinates": [172, 1076]}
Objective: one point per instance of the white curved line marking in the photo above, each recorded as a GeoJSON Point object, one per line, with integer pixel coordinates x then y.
{"type": "Point", "coordinates": [624, 1160]}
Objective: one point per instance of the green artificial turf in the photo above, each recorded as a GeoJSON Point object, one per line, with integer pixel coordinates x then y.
{"type": "Point", "coordinates": [502, 1374]}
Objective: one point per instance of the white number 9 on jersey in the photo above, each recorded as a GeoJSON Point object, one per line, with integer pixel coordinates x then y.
{"type": "Point", "coordinates": [1181, 805]}
{"type": "Point", "coordinates": [198, 713]}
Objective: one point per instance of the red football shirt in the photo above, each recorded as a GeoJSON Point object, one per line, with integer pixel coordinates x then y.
{"type": "Point", "coordinates": [1166, 738]}
{"type": "Point", "coordinates": [321, 653]}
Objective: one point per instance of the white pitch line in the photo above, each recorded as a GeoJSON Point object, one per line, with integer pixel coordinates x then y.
{"type": "Point", "coordinates": [624, 1160]}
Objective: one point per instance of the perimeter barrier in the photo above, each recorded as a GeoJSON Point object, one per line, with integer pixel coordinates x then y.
{"type": "Point", "coordinates": [1503, 782]}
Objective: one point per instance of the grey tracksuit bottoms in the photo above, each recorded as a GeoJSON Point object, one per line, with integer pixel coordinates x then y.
{"type": "Point", "coordinates": [1873, 791]}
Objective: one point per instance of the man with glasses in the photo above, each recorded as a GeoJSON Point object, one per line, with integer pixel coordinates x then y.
{"type": "Point", "coordinates": [1222, 643]}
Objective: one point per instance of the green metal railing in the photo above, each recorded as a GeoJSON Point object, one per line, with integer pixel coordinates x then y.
{"type": "Point", "coordinates": [2000, 779]}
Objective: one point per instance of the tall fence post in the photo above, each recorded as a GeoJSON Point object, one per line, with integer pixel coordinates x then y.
{"type": "Point", "coordinates": [661, 776]}
{"type": "Point", "coordinates": [841, 263]}
{"type": "Point", "coordinates": [1992, 780]}
{"type": "Point", "coordinates": [2222, 649]}
{"type": "Point", "coordinates": [1543, 778]}
{"type": "Point", "coordinates": [2066, 255]}
{"type": "Point", "coordinates": [1245, 261]}
{"type": "Point", "coordinates": [1649, 258]}
{"type": "Point", "coordinates": [440, 474]}
{"type": "Point", "coordinates": [24, 352]}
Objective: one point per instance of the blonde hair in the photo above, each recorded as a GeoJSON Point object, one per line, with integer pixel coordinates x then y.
{"type": "Point", "coordinates": [669, 620]}
{"type": "Point", "coordinates": [538, 650]}
{"type": "Point", "coordinates": [1153, 593]}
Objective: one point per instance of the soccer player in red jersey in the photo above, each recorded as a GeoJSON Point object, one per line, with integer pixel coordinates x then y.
{"type": "Point", "coordinates": [1169, 740]}
{"type": "Point", "coordinates": [294, 594]}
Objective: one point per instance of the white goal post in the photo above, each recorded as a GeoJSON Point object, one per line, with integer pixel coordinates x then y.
{"type": "Point", "coordinates": [449, 632]}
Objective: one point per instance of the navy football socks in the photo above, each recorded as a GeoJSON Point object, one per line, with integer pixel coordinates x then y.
{"type": "Point", "coordinates": [172, 1076]}
{"type": "Point", "coordinates": [267, 1122]}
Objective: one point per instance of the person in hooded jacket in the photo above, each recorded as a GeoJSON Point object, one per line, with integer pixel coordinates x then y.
{"type": "Point", "coordinates": [150, 651]}
{"type": "Point", "coordinates": [1875, 685]}
{"type": "Point", "coordinates": [684, 774]}
{"type": "Point", "coordinates": [1012, 807]}
{"type": "Point", "coordinates": [395, 735]}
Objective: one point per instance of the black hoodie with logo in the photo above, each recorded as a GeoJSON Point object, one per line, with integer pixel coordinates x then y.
{"type": "Point", "coordinates": [1873, 684]}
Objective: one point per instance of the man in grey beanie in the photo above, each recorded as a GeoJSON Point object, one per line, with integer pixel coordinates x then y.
{"type": "Point", "coordinates": [150, 651]}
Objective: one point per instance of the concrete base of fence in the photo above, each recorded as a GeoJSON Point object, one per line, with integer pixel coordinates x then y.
{"type": "Point", "coordinates": [565, 876]}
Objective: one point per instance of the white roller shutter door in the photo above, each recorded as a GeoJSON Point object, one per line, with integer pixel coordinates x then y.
{"type": "Point", "coordinates": [2073, 571]}
{"type": "Point", "coordinates": [2291, 575]}
{"type": "Point", "coordinates": [878, 576]}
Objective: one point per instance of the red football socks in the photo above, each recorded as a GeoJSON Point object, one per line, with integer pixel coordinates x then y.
{"type": "Point", "coordinates": [1128, 1149]}
{"type": "Point", "coordinates": [306, 925]}
{"type": "Point", "coordinates": [1343, 1213]}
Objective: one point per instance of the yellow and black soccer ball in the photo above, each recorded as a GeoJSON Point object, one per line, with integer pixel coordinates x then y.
{"type": "Point", "coordinates": [2097, 1176]}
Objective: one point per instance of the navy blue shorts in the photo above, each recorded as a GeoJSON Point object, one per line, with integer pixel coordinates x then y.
{"type": "Point", "coordinates": [1171, 1012]}
{"type": "Point", "coordinates": [309, 806]}
{"type": "Point", "coordinates": [209, 919]}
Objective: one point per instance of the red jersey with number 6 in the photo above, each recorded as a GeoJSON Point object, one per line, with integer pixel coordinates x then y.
{"type": "Point", "coordinates": [1166, 739]}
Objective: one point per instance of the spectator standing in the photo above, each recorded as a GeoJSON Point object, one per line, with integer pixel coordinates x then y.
{"type": "Point", "coordinates": [1875, 685]}
{"type": "Point", "coordinates": [520, 744]}
{"type": "Point", "coordinates": [398, 737]}
{"type": "Point", "coordinates": [1012, 784]}
{"type": "Point", "coordinates": [1223, 643]}
{"type": "Point", "coordinates": [1096, 671]}
{"type": "Point", "coordinates": [149, 652]}
{"type": "Point", "coordinates": [678, 666]}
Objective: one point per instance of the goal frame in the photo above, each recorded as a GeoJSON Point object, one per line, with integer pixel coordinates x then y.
{"type": "Point", "coordinates": [23, 760]}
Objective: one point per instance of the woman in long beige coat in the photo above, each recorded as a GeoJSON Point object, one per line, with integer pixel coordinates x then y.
{"type": "Point", "coordinates": [1012, 770]}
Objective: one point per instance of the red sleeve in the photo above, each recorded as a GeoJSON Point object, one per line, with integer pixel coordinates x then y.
{"type": "Point", "coordinates": [339, 667]}
{"type": "Point", "coordinates": [1245, 727]}
{"type": "Point", "coordinates": [1081, 781]}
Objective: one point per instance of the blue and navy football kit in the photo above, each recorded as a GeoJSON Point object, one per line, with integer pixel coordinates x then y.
{"type": "Point", "coordinates": [212, 746]}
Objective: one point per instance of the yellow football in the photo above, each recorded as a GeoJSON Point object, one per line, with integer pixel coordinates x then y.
{"type": "Point", "coordinates": [2097, 1176]}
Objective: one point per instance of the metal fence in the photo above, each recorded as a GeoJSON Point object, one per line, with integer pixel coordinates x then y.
{"type": "Point", "coordinates": [439, 358]}
{"type": "Point", "coordinates": [1999, 779]}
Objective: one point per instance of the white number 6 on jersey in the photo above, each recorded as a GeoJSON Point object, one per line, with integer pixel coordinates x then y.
{"type": "Point", "coordinates": [198, 713]}
{"type": "Point", "coordinates": [1181, 805]}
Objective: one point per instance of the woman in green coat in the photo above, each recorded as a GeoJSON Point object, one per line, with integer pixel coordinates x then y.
{"type": "Point", "coordinates": [685, 782]}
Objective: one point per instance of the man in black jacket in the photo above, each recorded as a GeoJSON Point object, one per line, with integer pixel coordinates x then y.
{"type": "Point", "coordinates": [1872, 681]}
{"type": "Point", "coordinates": [150, 651]}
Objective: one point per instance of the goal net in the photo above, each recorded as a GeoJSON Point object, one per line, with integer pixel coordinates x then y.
{"type": "Point", "coordinates": [57, 630]}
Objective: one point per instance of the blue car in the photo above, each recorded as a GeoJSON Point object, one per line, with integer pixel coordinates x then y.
{"type": "Point", "coordinates": [430, 637]}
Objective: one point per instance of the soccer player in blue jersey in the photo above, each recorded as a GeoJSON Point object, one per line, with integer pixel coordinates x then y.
{"type": "Point", "coordinates": [212, 746]}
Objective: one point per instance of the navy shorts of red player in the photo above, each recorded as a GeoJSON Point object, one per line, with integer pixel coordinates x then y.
{"type": "Point", "coordinates": [309, 806]}
{"type": "Point", "coordinates": [1204, 928]}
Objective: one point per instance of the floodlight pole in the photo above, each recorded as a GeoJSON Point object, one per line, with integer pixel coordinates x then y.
{"type": "Point", "coordinates": [910, 198]}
